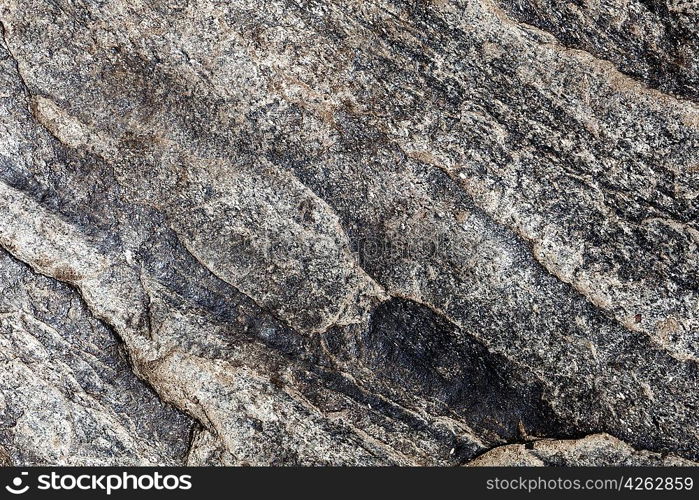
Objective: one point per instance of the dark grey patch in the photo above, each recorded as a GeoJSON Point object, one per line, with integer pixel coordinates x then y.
{"type": "Point", "coordinates": [409, 346]}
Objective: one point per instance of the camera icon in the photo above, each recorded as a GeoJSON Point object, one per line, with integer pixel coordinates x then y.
{"type": "Point", "coordinates": [16, 488]}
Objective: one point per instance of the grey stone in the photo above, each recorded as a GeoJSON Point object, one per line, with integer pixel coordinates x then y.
{"type": "Point", "coordinates": [348, 233]}
{"type": "Point", "coordinates": [68, 395]}
{"type": "Point", "coordinates": [592, 450]}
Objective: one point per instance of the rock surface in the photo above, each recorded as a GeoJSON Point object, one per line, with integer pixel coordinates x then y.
{"type": "Point", "coordinates": [593, 450]}
{"type": "Point", "coordinates": [349, 233]}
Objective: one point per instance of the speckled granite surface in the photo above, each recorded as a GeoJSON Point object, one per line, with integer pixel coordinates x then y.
{"type": "Point", "coordinates": [349, 233]}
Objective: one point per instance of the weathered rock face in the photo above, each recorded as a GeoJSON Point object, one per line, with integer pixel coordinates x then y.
{"type": "Point", "coordinates": [361, 233]}
{"type": "Point", "coordinates": [593, 450]}
{"type": "Point", "coordinates": [68, 394]}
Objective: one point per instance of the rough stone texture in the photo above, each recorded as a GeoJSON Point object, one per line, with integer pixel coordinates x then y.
{"type": "Point", "coordinates": [67, 395]}
{"type": "Point", "coordinates": [593, 450]}
{"type": "Point", "coordinates": [358, 233]}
